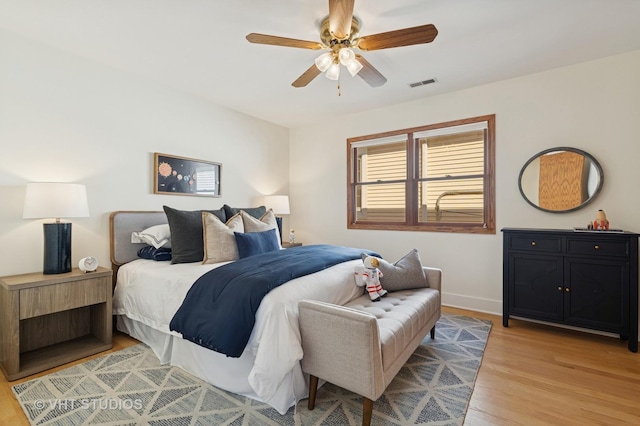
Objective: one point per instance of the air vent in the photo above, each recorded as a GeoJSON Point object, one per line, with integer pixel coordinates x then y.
{"type": "Point", "coordinates": [423, 82]}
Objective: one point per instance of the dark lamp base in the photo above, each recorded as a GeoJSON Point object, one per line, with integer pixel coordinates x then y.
{"type": "Point", "coordinates": [279, 222]}
{"type": "Point", "coordinates": [57, 248]}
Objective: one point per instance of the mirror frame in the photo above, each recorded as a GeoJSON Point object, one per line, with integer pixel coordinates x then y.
{"type": "Point", "coordinates": [563, 148]}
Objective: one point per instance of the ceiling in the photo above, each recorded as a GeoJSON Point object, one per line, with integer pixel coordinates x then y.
{"type": "Point", "coordinates": [199, 46]}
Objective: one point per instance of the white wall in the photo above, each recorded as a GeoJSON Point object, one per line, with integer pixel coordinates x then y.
{"type": "Point", "coordinates": [592, 106]}
{"type": "Point", "coordinates": [64, 118]}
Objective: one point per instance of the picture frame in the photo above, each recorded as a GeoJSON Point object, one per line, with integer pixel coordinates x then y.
{"type": "Point", "coordinates": [185, 176]}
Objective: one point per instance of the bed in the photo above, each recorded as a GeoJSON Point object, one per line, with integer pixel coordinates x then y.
{"type": "Point", "coordinates": [148, 293]}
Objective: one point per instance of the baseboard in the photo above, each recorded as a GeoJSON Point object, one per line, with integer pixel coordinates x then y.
{"type": "Point", "coordinates": [494, 307]}
{"type": "Point", "coordinates": [478, 304]}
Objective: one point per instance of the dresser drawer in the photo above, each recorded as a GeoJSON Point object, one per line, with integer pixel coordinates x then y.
{"type": "Point", "coordinates": [37, 301]}
{"type": "Point", "coordinates": [536, 243]}
{"type": "Point", "coordinates": [598, 247]}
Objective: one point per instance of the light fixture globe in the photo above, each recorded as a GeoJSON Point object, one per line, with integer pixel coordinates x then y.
{"type": "Point", "coordinates": [333, 72]}
{"type": "Point", "coordinates": [324, 61]}
{"type": "Point", "coordinates": [346, 55]}
{"type": "Point", "coordinates": [354, 66]}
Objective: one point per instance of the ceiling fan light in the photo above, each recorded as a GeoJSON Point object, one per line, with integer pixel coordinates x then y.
{"type": "Point", "coordinates": [353, 66]}
{"type": "Point", "coordinates": [324, 61]}
{"type": "Point", "coordinates": [346, 55]}
{"type": "Point", "coordinates": [333, 72]}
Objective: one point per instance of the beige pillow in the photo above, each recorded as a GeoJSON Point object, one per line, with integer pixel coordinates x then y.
{"type": "Point", "coordinates": [219, 240]}
{"type": "Point", "coordinates": [266, 222]}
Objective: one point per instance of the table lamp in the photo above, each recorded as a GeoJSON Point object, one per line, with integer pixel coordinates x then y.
{"type": "Point", "coordinates": [280, 205]}
{"type": "Point", "coordinates": [56, 200]}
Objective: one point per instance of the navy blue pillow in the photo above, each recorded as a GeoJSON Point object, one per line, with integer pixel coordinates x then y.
{"type": "Point", "coordinates": [152, 253]}
{"type": "Point", "coordinates": [256, 212]}
{"type": "Point", "coordinates": [252, 243]}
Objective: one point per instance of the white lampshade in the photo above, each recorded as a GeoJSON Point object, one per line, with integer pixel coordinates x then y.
{"type": "Point", "coordinates": [324, 61]}
{"type": "Point", "coordinates": [55, 200]}
{"type": "Point", "coordinates": [353, 66]}
{"type": "Point", "coordinates": [333, 72]}
{"type": "Point", "coordinates": [278, 203]}
{"type": "Point", "coordinates": [346, 55]}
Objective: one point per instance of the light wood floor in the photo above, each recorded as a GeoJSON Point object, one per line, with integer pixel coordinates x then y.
{"type": "Point", "coordinates": [531, 374]}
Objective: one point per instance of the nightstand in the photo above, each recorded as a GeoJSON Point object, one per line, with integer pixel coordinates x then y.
{"type": "Point", "coordinates": [49, 320]}
{"type": "Point", "coordinates": [289, 245]}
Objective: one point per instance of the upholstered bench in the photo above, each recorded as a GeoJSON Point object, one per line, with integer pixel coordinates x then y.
{"type": "Point", "coordinates": [361, 346]}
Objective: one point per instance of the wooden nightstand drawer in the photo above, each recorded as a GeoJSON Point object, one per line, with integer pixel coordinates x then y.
{"type": "Point", "coordinates": [39, 301]}
{"type": "Point", "coordinates": [49, 320]}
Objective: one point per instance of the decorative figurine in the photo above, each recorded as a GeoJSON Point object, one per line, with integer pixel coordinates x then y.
{"type": "Point", "coordinates": [601, 223]}
{"type": "Point", "coordinates": [292, 236]}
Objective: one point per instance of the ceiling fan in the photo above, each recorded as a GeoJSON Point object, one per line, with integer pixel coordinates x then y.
{"type": "Point", "coordinates": [339, 35]}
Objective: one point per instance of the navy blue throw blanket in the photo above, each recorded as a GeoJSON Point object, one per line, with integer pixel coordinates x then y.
{"type": "Point", "coordinates": [219, 310]}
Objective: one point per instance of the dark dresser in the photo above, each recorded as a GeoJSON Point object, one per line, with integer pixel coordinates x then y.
{"type": "Point", "coordinates": [582, 279]}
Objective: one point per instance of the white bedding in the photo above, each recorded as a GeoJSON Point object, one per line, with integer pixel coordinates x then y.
{"type": "Point", "coordinates": [151, 292]}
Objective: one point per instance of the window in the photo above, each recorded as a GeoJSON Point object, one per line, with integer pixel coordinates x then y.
{"type": "Point", "coordinates": [432, 178]}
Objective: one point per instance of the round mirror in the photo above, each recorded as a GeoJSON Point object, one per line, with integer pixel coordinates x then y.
{"type": "Point", "coordinates": [560, 179]}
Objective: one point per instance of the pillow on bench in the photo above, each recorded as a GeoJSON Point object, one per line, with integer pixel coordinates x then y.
{"type": "Point", "coordinates": [405, 274]}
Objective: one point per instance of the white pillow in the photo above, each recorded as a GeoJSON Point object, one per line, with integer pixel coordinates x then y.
{"type": "Point", "coordinates": [157, 236]}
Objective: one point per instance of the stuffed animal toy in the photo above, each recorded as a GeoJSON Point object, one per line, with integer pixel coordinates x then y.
{"type": "Point", "coordinates": [369, 277]}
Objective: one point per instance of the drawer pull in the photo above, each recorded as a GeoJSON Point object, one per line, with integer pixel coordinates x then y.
{"type": "Point", "coordinates": [567, 289]}
{"type": "Point", "coordinates": [533, 243]}
{"type": "Point", "coordinates": [559, 288]}
{"type": "Point", "coordinates": [597, 247]}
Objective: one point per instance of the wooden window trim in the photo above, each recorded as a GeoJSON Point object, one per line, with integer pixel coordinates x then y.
{"type": "Point", "coordinates": [412, 224]}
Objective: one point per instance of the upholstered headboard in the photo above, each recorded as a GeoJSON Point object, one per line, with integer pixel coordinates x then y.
{"type": "Point", "coordinates": [121, 225]}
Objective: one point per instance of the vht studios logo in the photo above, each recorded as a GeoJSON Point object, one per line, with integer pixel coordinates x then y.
{"type": "Point", "coordinates": [86, 404]}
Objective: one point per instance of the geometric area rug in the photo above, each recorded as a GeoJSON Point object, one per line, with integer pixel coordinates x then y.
{"type": "Point", "coordinates": [130, 387]}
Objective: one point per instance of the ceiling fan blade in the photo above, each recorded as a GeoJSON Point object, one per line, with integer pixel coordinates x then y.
{"type": "Point", "coordinates": [306, 76]}
{"type": "Point", "coordinates": [397, 38]}
{"type": "Point", "coordinates": [340, 16]}
{"type": "Point", "coordinates": [369, 74]}
{"type": "Point", "coordinates": [283, 41]}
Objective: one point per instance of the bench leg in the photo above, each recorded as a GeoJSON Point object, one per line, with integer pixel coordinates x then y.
{"type": "Point", "coordinates": [367, 411]}
{"type": "Point", "coordinates": [433, 332]}
{"type": "Point", "coordinates": [313, 388]}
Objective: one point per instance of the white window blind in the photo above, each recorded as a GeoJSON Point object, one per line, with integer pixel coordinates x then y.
{"type": "Point", "coordinates": [452, 167]}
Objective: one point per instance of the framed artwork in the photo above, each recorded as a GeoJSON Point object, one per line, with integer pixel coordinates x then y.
{"type": "Point", "coordinates": [185, 176]}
